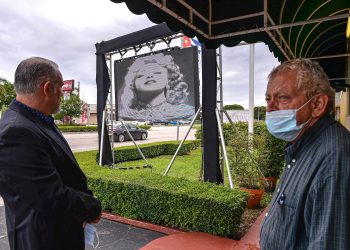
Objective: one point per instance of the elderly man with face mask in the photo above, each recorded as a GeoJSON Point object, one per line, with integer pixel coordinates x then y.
{"type": "Point", "coordinates": [310, 208]}
{"type": "Point", "coordinates": [47, 201]}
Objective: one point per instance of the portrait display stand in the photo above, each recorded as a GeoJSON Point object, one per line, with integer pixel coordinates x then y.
{"type": "Point", "coordinates": [221, 139]}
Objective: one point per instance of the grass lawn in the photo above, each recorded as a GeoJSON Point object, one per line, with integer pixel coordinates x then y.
{"type": "Point", "coordinates": [186, 166]}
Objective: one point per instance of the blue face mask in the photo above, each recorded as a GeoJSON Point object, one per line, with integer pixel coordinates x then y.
{"type": "Point", "coordinates": [282, 124]}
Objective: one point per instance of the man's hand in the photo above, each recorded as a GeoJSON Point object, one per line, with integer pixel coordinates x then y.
{"type": "Point", "coordinates": [97, 220]}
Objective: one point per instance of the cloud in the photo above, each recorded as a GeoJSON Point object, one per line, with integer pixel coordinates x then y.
{"type": "Point", "coordinates": [236, 74]}
{"type": "Point", "coordinates": [66, 31]}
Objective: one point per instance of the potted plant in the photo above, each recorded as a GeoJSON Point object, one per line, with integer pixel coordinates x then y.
{"type": "Point", "coordinates": [274, 161]}
{"type": "Point", "coordinates": [249, 180]}
{"type": "Point", "coordinates": [245, 163]}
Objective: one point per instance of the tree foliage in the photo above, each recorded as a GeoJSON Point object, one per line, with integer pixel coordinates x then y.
{"type": "Point", "coordinates": [7, 92]}
{"type": "Point", "coordinates": [72, 107]}
{"type": "Point", "coordinates": [233, 107]}
{"type": "Point", "coordinates": [260, 113]}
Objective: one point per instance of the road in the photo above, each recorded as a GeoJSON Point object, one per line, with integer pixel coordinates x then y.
{"type": "Point", "coordinates": [89, 141]}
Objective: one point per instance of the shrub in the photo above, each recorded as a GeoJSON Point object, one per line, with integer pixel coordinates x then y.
{"type": "Point", "coordinates": [247, 159]}
{"type": "Point", "coordinates": [268, 151]}
{"type": "Point", "coordinates": [241, 127]}
{"type": "Point", "coordinates": [147, 127]}
{"type": "Point", "coordinates": [275, 156]}
{"type": "Point", "coordinates": [151, 150]}
{"type": "Point", "coordinates": [76, 128]}
{"type": "Point", "coordinates": [170, 201]}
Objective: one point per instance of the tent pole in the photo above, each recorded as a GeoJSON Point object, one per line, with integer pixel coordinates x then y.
{"type": "Point", "coordinates": [223, 147]}
{"type": "Point", "coordinates": [102, 136]}
{"type": "Point", "coordinates": [251, 89]}
{"type": "Point", "coordinates": [138, 148]}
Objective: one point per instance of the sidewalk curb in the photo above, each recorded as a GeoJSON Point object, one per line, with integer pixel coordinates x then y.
{"type": "Point", "coordinates": [141, 224]}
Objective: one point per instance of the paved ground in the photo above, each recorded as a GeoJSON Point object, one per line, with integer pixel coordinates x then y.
{"type": "Point", "coordinates": [117, 236]}
{"type": "Point", "coordinates": [4, 244]}
{"type": "Point", "coordinates": [89, 141]}
{"type": "Point", "coordinates": [112, 235]}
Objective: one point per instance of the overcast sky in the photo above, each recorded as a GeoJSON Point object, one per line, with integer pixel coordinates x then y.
{"type": "Point", "coordinates": [66, 31]}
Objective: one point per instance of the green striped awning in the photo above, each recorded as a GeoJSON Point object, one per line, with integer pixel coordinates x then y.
{"type": "Point", "coordinates": [291, 28]}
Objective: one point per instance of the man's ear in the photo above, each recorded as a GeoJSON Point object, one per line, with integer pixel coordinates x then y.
{"type": "Point", "coordinates": [47, 88]}
{"type": "Point", "coordinates": [319, 105]}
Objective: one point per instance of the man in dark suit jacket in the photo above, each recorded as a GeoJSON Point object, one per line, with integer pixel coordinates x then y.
{"type": "Point", "coordinates": [45, 193]}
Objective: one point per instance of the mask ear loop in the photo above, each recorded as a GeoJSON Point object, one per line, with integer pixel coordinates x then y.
{"type": "Point", "coordinates": [98, 240]}
{"type": "Point", "coordinates": [305, 123]}
{"type": "Point", "coordinates": [302, 106]}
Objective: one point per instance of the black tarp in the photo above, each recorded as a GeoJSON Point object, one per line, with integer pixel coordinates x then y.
{"type": "Point", "coordinates": [212, 172]}
{"type": "Point", "coordinates": [103, 84]}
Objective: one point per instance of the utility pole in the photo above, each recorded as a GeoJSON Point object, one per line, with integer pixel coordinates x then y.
{"type": "Point", "coordinates": [251, 89]}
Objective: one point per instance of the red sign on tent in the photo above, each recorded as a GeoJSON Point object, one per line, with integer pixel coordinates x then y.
{"type": "Point", "coordinates": [186, 42]}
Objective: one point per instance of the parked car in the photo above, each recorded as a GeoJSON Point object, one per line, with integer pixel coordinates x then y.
{"type": "Point", "coordinates": [120, 134]}
{"type": "Point", "coordinates": [181, 122]}
{"type": "Point", "coordinates": [185, 122]}
{"type": "Point", "coordinates": [158, 122]}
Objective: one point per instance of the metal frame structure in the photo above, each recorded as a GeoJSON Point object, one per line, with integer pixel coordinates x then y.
{"type": "Point", "coordinates": [109, 112]}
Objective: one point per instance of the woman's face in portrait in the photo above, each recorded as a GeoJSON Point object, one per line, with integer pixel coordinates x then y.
{"type": "Point", "coordinates": [151, 78]}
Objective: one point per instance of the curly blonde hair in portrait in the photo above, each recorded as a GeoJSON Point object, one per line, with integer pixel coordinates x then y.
{"type": "Point", "coordinates": [175, 91]}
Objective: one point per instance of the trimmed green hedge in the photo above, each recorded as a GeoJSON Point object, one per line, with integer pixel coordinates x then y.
{"type": "Point", "coordinates": [130, 153]}
{"type": "Point", "coordinates": [174, 202]}
{"type": "Point", "coordinates": [73, 128]}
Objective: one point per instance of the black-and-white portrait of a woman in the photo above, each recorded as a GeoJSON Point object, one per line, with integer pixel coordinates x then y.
{"type": "Point", "coordinates": [162, 86]}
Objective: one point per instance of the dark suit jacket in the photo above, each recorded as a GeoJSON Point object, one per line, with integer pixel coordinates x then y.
{"type": "Point", "coordinates": [44, 191]}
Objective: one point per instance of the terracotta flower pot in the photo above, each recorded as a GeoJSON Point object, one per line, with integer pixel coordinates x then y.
{"type": "Point", "coordinates": [255, 196]}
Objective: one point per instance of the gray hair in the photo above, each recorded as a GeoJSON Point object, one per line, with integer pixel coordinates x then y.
{"type": "Point", "coordinates": [31, 72]}
{"type": "Point", "coordinates": [311, 79]}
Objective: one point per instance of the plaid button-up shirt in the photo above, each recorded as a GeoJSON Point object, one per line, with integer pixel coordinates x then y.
{"type": "Point", "coordinates": [310, 208]}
